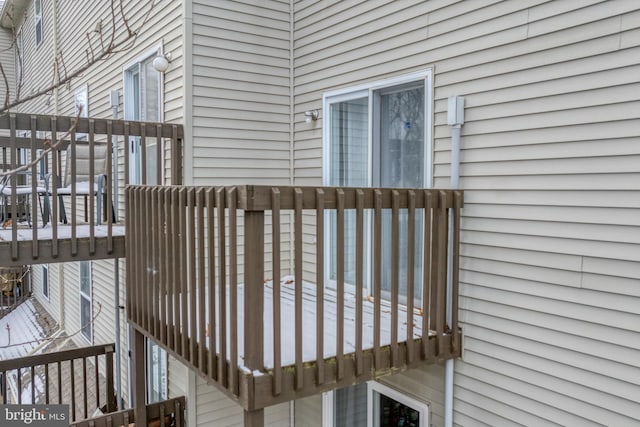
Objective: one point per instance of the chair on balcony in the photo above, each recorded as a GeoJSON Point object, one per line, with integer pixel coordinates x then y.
{"type": "Point", "coordinates": [23, 193]}
{"type": "Point", "coordinates": [82, 178]}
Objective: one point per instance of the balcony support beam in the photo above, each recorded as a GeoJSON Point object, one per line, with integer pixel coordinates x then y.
{"type": "Point", "coordinates": [254, 418]}
{"type": "Point", "coordinates": [139, 380]}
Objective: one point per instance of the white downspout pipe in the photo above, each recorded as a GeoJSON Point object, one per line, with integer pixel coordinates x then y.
{"type": "Point", "coordinates": [455, 119]}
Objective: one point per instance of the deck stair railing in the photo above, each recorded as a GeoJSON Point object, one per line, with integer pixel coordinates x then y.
{"type": "Point", "coordinates": [207, 278]}
{"type": "Point", "coordinates": [82, 378]}
{"type": "Point", "coordinates": [168, 413]}
{"type": "Point", "coordinates": [46, 213]}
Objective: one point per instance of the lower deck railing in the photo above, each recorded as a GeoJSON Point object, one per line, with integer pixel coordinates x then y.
{"type": "Point", "coordinates": [81, 378]}
{"type": "Point", "coordinates": [168, 413]}
{"type": "Point", "coordinates": [274, 293]}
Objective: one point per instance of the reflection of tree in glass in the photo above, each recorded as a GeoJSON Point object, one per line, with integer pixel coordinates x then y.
{"type": "Point", "coordinates": [402, 130]}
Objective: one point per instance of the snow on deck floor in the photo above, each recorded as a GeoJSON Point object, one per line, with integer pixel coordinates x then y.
{"type": "Point", "coordinates": [25, 233]}
{"type": "Point", "coordinates": [287, 323]}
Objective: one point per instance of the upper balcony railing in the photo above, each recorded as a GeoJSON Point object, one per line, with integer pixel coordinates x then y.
{"type": "Point", "coordinates": [275, 293]}
{"type": "Point", "coordinates": [62, 179]}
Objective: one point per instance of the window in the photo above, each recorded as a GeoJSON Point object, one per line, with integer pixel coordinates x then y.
{"type": "Point", "coordinates": [156, 373]}
{"type": "Point", "coordinates": [37, 5]}
{"type": "Point", "coordinates": [378, 135]}
{"type": "Point", "coordinates": [390, 408]}
{"type": "Point", "coordinates": [142, 101]}
{"type": "Point", "coordinates": [86, 314]}
{"type": "Point", "coordinates": [81, 106]}
{"type": "Point", "coordinates": [372, 404]}
{"type": "Point", "coordinates": [45, 281]}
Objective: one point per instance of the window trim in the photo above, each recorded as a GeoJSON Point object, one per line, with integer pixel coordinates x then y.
{"type": "Point", "coordinates": [45, 280]}
{"type": "Point", "coordinates": [37, 18]}
{"type": "Point", "coordinates": [328, 407]}
{"type": "Point", "coordinates": [379, 388]}
{"type": "Point", "coordinates": [369, 90]}
{"type": "Point", "coordinates": [88, 298]}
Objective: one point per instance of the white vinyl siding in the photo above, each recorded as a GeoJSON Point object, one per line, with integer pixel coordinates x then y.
{"type": "Point", "coordinates": [214, 408]}
{"type": "Point", "coordinates": [550, 168]}
{"type": "Point", "coordinates": [86, 309]}
{"type": "Point", "coordinates": [241, 93]}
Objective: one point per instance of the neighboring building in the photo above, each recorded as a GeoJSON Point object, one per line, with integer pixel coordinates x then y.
{"type": "Point", "coordinates": [549, 165]}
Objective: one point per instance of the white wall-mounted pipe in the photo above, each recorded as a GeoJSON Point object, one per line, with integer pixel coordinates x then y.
{"type": "Point", "coordinates": [455, 119]}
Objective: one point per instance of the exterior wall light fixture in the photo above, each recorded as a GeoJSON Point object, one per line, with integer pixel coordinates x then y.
{"type": "Point", "coordinates": [161, 62]}
{"type": "Point", "coordinates": [311, 115]}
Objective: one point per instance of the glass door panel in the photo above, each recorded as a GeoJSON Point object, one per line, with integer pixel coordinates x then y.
{"type": "Point", "coordinates": [401, 115]}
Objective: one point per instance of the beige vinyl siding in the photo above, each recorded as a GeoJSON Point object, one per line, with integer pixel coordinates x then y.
{"type": "Point", "coordinates": [550, 163]}
{"type": "Point", "coordinates": [424, 384]}
{"type": "Point", "coordinates": [308, 411]}
{"type": "Point", "coordinates": [241, 93]}
{"type": "Point", "coordinates": [51, 304]}
{"type": "Point", "coordinates": [216, 409]}
{"type": "Point", "coordinates": [8, 61]}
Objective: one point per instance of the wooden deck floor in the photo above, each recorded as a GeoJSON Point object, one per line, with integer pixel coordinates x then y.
{"type": "Point", "coordinates": [63, 243]}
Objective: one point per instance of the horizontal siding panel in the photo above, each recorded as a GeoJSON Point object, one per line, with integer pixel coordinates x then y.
{"type": "Point", "coordinates": [569, 384]}
{"type": "Point", "coordinates": [212, 52]}
{"type": "Point", "coordinates": [620, 181]}
{"type": "Point", "coordinates": [567, 230]}
{"type": "Point", "coordinates": [242, 12]}
{"type": "Point", "coordinates": [538, 400]}
{"type": "Point", "coordinates": [480, 273]}
{"type": "Point", "coordinates": [541, 259]}
{"type": "Point", "coordinates": [215, 27]}
{"type": "Point", "coordinates": [602, 149]}
{"type": "Point", "coordinates": [608, 250]}
{"type": "Point", "coordinates": [494, 412]}
{"type": "Point", "coordinates": [586, 198]}
{"type": "Point", "coordinates": [582, 132]}
{"type": "Point", "coordinates": [241, 76]}
{"type": "Point", "coordinates": [604, 215]}
{"type": "Point", "coordinates": [601, 55]}
{"type": "Point", "coordinates": [535, 337]}
{"type": "Point", "coordinates": [239, 85]}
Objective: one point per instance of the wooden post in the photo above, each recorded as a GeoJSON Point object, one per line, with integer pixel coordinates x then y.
{"type": "Point", "coordinates": [253, 303]}
{"type": "Point", "coordinates": [139, 380]}
{"type": "Point", "coordinates": [254, 418]}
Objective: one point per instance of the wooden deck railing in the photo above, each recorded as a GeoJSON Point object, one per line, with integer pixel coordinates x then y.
{"type": "Point", "coordinates": [81, 378]}
{"type": "Point", "coordinates": [203, 279]}
{"type": "Point", "coordinates": [168, 413]}
{"type": "Point", "coordinates": [46, 211]}
{"type": "Point", "coordinates": [15, 288]}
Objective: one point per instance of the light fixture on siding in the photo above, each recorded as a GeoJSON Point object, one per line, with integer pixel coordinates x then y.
{"type": "Point", "coordinates": [161, 62]}
{"type": "Point", "coordinates": [311, 115]}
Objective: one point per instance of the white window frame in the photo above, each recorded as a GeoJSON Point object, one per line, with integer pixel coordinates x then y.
{"type": "Point", "coordinates": [373, 387]}
{"type": "Point", "coordinates": [156, 367]}
{"type": "Point", "coordinates": [37, 18]}
{"type": "Point", "coordinates": [45, 282]}
{"type": "Point", "coordinates": [368, 90]}
{"type": "Point", "coordinates": [81, 97]}
{"type": "Point", "coordinates": [88, 298]}
{"type": "Point", "coordinates": [128, 104]}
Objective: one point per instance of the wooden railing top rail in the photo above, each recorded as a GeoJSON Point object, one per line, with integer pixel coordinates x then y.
{"type": "Point", "coordinates": [59, 356]}
{"type": "Point", "coordinates": [100, 126]}
{"type": "Point", "coordinates": [260, 198]}
{"type": "Point", "coordinates": [156, 414]}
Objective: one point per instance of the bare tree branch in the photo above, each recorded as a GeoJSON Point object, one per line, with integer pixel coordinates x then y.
{"type": "Point", "coordinates": [6, 85]}
{"type": "Point", "coordinates": [49, 147]}
{"type": "Point", "coordinates": [113, 47]}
